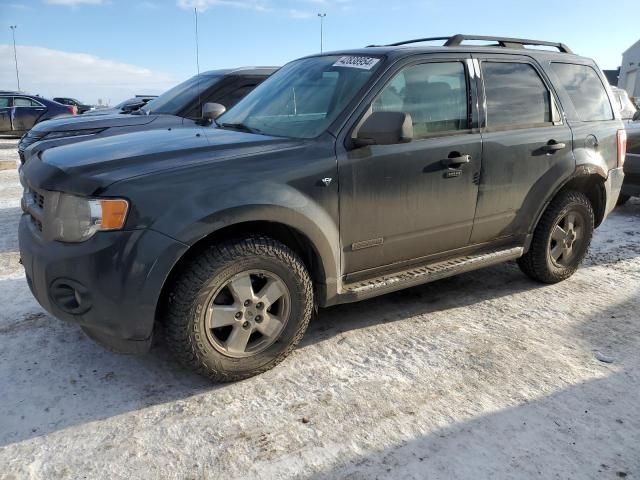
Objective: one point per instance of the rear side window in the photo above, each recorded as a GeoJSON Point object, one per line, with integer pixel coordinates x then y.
{"type": "Point", "coordinates": [24, 102]}
{"type": "Point", "coordinates": [586, 91]}
{"type": "Point", "coordinates": [4, 102]}
{"type": "Point", "coordinates": [516, 96]}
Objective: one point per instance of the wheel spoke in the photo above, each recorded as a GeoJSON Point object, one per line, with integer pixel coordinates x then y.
{"type": "Point", "coordinates": [238, 339]}
{"type": "Point", "coordinates": [558, 234]}
{"type": "Point", "coordinates": [269, 326]}
{"type": "Point", "coordinates": [556, 252]}
{"type": "Point", "coordinates": [271, 293]}
{"type": "Point", "coordinates": [241, 288]}
{"type": "Point", "coordinates": [221, 315]}
{"type": "Point", "coordinates": [566, 253]}
{"type": "Point", "coordinates": [570, 221]}
{"type": "Point", "coordinates": [578, 231]}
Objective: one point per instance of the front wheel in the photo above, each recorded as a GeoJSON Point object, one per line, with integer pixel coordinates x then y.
{"type": "Point", "coordinates": [239, 308]}
{"type": "Point", "coordinates": [561, 239]}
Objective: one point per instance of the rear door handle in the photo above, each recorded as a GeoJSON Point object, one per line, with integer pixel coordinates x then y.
{"type": "Point", "coordinates": [553, 146]}
{"type": "Point", "coordinates": [455, 160]}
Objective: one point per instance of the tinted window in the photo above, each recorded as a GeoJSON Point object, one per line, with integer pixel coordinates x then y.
{"type": "Point", "coordinates": [516, 95]}
{"type": "Point", "coordinates": [175, 100]}
{"type": "Point", "coordinates": [230, 99]}
{"type": "Point", "coordinates": [586, 90]}
{"type": "Point", "coordinates": [24, 102]}
{"type": "Point", "coordinates": [4, 102]}
{"type": "Point", "coordinates": [434, 94]}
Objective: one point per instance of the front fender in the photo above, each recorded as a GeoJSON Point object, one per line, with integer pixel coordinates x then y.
{"type": "Point", "coordinates": [282, 187]}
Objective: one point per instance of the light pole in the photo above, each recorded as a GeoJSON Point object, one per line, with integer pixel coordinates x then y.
{"type": "Point", "coordinates": [15, 55]}
{"type": "Point", "coordinates": [321, 15]}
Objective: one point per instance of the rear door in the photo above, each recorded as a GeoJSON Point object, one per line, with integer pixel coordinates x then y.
{"type": "Point", "coordinates": [26, 113]}
{"type": "Point", "coordinates": [527, 146]}
{"type": "Point", "coordinates": [5, 114]}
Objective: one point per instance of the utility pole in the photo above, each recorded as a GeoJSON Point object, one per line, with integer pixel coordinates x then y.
{"type": "Point", "coordinates": [321, 15]}
{"type": "Point", "coordinates": [15, 55]}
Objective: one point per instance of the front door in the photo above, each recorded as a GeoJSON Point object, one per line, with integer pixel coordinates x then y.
{"type": "Point", "coordinates": [5, 114]}
{"type": "Point", "coordinates": [527, 147]}
{"type": "Point", "coordinates": [399, 203]}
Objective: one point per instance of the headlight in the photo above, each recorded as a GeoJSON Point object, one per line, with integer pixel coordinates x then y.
{"type": "Point", "coordinates": [72, 133]}
{"type": "Point", "coordinates": [77, 219]}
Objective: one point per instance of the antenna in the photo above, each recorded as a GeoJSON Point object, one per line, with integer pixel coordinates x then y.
{"type": "Point", "coordinates": [195, 11]}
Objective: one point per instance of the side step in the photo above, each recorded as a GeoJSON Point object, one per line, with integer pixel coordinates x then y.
{"type": "Point", "coordinates": [424, 274]}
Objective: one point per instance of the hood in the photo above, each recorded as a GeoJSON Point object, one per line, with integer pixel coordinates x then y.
{"type": "Point", "coordinates": [88, 166]}
{"type": "Point", "coordinates": [80, 122]}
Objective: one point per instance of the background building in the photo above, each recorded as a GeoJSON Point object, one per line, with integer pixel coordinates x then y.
{"type": "Point", "coordinates": [629, 70]}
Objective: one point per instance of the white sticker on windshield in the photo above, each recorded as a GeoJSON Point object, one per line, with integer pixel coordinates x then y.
{"type": "Point", "coordinates": [364, 63]}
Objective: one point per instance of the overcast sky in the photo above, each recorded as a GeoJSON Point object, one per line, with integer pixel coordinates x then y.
{"type": "Point", "coordinates": [113, 49]}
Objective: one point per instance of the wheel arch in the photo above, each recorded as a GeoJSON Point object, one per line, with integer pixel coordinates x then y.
{"type": "Point", "coordinates": [316, 253]}
{"type": "Point", "coordinates": [588, 180]}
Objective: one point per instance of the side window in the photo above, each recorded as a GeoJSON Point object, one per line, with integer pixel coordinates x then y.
{"type": "Point", "coordinates": [586, 91]}
{"type": "Point", "coordinates": [434, 94]}
{"type": "Point", "coordinates": [4, 102]}
{"type": "Point", "coordinates": [516, 96]}
{"type": "Point", "coordinates": [23, 102]}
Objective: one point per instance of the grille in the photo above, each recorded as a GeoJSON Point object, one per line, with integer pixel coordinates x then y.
{"type": "Point", "coordinates": [38, 199]}
{"type": "Point", "coordinates": [37, 223]}
{"type": "Point", "coordinates": [34, 205]}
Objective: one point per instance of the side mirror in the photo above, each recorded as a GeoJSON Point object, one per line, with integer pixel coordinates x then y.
{"type": "Point", "coordinates": [636, 116]}
{"type": "Point", "coordinates": [211, 111]}
{"type": "Point", "coordinates": [385, 128]}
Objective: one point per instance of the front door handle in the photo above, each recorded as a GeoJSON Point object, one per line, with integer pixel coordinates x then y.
{"type": "Point", "coordinates": [455, 160]}
{"type": "Point", "coordinates": [553, 146]}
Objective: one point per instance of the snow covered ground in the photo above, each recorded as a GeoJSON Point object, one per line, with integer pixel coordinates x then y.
{"type": "Point", "coordinates": [485, 375]}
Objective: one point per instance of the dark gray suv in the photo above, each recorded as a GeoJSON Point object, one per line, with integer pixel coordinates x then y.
{"type": "Point", "coordinates": [343, 176]}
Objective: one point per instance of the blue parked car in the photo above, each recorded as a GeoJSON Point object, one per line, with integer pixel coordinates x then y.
{"type": "Point", "coordinates": [19, 112]}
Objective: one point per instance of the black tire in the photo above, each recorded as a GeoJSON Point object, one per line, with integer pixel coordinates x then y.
{"type": "Point", "coordinates": [622, 199]}
{"type": "Point", "coordinates": [539, 263]}
{"type": "Point", "coordinates": [192, 292]}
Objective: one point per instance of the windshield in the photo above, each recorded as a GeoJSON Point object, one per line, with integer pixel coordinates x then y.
{"type": "Point", "coordinates": [173, 101]}
{"type": "Point", "coordinates": [303, 98]}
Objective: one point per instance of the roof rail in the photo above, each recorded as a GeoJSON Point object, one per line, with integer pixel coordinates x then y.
{"type": "Point", "coordinates": [505, 42]}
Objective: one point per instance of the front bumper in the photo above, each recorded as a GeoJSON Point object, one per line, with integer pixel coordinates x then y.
{"type": "Point", "coordinates": [110, 284]}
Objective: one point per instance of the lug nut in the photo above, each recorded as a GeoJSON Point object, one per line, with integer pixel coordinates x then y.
{"type": "Point", "coordinates": [259, 319]}
{"type": "Point", "coordinates": [247, 303]}
{"type": "Point", "coordinates": [246, 325]}
{"type": "Point", "coordinates": [239, 315]}
{"type": "Point", "coordinates": [260, 306]}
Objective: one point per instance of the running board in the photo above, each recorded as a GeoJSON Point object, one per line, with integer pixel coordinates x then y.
{"type": "Point", "coordinates": [424, 274]}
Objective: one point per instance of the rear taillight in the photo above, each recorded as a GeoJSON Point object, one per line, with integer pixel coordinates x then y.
{"type": "Point", "coordinates": [622, 146]}
{"type": "Point", "coordinates": [73, 110]}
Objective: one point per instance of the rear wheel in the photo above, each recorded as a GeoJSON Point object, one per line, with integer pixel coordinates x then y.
{"type": "Point", "coordinates": [561, 239]}
{"type": "Point", "coordinates": [239, 308]}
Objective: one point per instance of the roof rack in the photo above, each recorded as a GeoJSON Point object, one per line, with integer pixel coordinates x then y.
{"type": "Point", "coordinates": [504, 42]}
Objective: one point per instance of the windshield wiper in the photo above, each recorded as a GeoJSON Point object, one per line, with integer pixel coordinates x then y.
{"type": "Point", "coordinates": [240, 126]}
